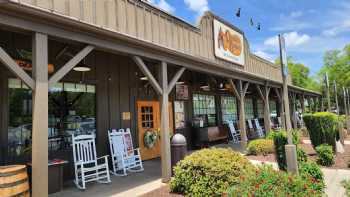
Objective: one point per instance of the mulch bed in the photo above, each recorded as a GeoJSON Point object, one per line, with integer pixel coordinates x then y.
{"type": "Point", "coordinates": [161, 192]}
{"type": "Point", "coordinates": [341, 159]}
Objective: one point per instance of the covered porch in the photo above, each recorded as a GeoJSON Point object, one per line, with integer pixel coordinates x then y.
{"type": "Point", "coordinates": [122, 76]}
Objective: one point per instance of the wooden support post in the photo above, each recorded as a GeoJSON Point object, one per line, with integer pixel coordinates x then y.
{"type": "Point", "coordinates": [242, 91]}
{"type": "Point", "coordinates": [163, 90]}
{"type": "Point", "coordinates": [40, 117]}
{"type": "Point", "coordinates": [164, 126]}
{"type": "Point", "coordinates": [280, 108]}
{"type": "Point", "coordinates": [265, 97]}
{"type": "Point", "coordinates": [302, 103]}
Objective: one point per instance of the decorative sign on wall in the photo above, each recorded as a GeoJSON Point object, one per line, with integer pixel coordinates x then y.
{"type": "Point", "coordinates": [126, 115]}
{"type": "Point", "coordinates": [181, 92]}
{"type": "Point", "coordinates": [228, 43]}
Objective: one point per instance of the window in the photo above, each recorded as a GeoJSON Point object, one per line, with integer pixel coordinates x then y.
{"type": "Point", "coordinates": [260, 108]}
{"type": "Point", "coordinates": [273, 108]}
{"type": "Point", "coordinates": [204, 108]}
{"type": "Point", "coordinates": [228, 109]}
{"type": "Point", "coordinates": [72, 109]}
{"type": "Point", "coordinates": [249, 108]}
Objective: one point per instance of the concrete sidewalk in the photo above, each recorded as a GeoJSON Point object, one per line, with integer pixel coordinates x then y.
{"type": "Point", "coordinates": [333, 178]}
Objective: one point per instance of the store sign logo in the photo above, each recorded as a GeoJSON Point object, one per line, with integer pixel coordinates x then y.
{"type": "Point", "coordinates": [229, 44]}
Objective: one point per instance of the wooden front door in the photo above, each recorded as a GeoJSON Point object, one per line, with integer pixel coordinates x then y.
{"type": "Point", "coordinates": [148, 113]}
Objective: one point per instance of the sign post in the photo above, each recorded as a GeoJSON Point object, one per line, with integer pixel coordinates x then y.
{"type": "Point", "coordinates": [291, 152]}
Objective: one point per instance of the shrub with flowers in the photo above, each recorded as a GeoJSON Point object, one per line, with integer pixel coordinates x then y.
{"type": "Point", "coordinates": [265, 181]}
{"type": "Point", "coordinates": [260, 147]}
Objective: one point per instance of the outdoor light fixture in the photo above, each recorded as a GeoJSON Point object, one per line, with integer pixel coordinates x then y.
{"type": "Point", "coordinates": [81, 69]}
{"type": "Point", "coordinates": [180, 82]}
{"type": "Point", "coordinates": [144, 78]}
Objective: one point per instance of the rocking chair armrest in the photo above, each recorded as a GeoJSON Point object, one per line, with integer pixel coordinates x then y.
{"type": "Point", "coordinates": [103, 157]}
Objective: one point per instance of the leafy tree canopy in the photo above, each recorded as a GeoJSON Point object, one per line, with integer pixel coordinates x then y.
{"type": "Point", "coordinates": [300, 75]}
{"type": "Point", "coordinates": [337, 65]}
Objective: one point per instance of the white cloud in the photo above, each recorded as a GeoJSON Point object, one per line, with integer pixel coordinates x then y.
{"type": "Point", "coordinates": [291, 22]}
{"type": "Point", "coordinates": [293, 39]}
{"type": "Point", "coordinates": [338, 29]}
{"type": "Point", "coordinates": [199, 6]}
{"type": "Point", "coordinates": [265, 55]}
{"type": "Point", "coordinates": [162, 4]}
{"type": "Point", "coordinates": [340, 22]}
{"type": "Point", "coordinates": [296, 14]}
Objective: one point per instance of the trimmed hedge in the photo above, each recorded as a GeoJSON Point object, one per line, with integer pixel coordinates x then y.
{"type": "Point", "coordinates": [209, 172]}
{"type": "Point", "coordinates": [260, 147]}
{"type": "Point", "coordinates": [280, 139]}
{"type": "Point", "coordinates": [322, 128]}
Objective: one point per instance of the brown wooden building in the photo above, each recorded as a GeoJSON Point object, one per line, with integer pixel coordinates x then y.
{"type": "Point", "coordinates": [70, 67]}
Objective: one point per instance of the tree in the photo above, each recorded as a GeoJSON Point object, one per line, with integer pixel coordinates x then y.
{"type": "Point", "coordinates": [337, 65]}
{"type": "Point", "coordinates": [300, 75]}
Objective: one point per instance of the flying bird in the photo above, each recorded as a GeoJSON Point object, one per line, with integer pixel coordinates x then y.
{"type": "Point", "coordinates": [251, 22]}
{"type": "Point", "coordinates": [238, 13]}
{"type": "Point", "coordinates": [259, 27]}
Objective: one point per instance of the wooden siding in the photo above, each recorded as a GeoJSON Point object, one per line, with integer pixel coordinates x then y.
{"type": "Point", "coordinates": [144, 22]}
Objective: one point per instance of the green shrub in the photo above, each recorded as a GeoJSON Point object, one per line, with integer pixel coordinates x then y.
{"type": "Point", "coordinates": [280, 139]}
{"type": "Point", "coordinates": [346, 185]}
{"type": "Point", "coordinates": [325, 155]}
{"type": "Point", "coordinates": [301, 155]}
{"type": "Point", "coordinates": [266, 181]}
{"type": "Point", "coordinates": [260, 147]}
{"type": "Point", "coordinates": [322, 128]}
{"type": "Point", "coordinates": [209, 172]}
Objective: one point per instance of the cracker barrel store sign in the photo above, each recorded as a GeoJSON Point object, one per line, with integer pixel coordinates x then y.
{"type": "Point", "coordinates": [229, 43]}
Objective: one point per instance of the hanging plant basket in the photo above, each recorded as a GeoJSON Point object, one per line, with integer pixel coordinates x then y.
{"type": "Point", "coordinates": [150, 139]}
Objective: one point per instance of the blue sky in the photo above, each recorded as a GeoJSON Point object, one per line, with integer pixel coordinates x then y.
{"type": "Point", "coordinates": [311, 27]}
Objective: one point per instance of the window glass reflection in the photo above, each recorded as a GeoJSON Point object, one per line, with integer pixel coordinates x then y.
{"type": "Point", "coordinates": [72, 110]}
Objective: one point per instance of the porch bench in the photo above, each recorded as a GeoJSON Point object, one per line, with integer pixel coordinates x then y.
{"type": "Point", "coordinates": [206, 135]}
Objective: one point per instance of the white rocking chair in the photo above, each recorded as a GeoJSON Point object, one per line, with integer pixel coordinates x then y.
{"type": "Point", "coordinates": [236, 136]}
{"type": "Point", "coordinates": [124, 156]}
{"type": "Point", "coordinates": [86, 165]}
{"type": "Point", "coordinates": [259, 129]}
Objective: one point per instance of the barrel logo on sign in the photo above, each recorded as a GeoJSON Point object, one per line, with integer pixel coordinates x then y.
{"type": "Point", "coordinates": [14, 181]}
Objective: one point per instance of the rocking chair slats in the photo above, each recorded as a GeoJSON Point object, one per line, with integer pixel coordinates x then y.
{"type": "Point", "coordinates": [236, 136]}
{"type": "Point", "coordinates": [124, 156]}
{"type": "Point", "coordinates": [85, 162]}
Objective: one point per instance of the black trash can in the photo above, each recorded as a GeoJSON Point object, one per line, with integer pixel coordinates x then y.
{"type": "Point", "coordinates": [178, 148]}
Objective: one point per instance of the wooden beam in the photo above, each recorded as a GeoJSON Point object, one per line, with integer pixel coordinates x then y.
{"type": "Point", "coordinates": [267, 120]}
{"type": "Point", "coordinates": [242, 125]}
{"type": "Point", "coordinates": [278, 94]}
{"type": "Point", "coordinates": [235, 91]}
{"type": "Point", "coordinates": [246, 86]}
{"type": "Point", "coordinates": [40, 116]}
{"type": "Point", "coordinates": [164, 125]}
{"type": "Point", "coordinates": [175, 79]}
{"type": "Point", "coordinates": [260, 92]}
{"type": "Point", "coordinates": [139, 62]}
{"type": "Point", "coordinates": [16, 69]}
{"type": "Point", "coordinates": [70, 65]}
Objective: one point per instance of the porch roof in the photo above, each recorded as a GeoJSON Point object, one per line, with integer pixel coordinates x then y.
{"type": "Point", "coordinates": [64, 26]}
